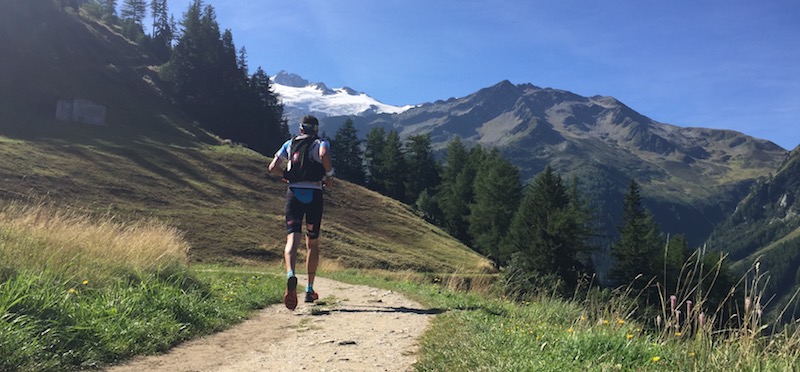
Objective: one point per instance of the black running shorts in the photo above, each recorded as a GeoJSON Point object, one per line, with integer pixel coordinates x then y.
{"type": "Point", "coordinates": [301, 203]}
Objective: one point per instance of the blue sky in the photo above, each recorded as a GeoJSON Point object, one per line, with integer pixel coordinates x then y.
{"type": "Point", "coordinates": [730, 64]}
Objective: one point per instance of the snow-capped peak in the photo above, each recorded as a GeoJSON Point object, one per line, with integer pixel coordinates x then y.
{"type": "Point", "coordinates": [301, 97]}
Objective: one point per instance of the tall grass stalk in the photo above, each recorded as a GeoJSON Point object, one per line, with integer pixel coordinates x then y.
{"type": "Point", "coordinates": [42, 238]}
{"type": "Point", "coordinates": [731, 334]}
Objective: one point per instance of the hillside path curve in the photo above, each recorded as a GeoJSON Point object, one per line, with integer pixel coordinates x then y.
{"type": "Point", "coordinates": [351, 328]}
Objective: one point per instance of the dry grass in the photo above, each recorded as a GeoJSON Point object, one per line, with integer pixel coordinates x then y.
{"type": "Point", "coordinates": [39, 237]}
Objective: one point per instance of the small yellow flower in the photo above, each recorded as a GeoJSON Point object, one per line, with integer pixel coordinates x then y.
{"type": "Point", "coordinates": [605, 321]}
{"type": "Point", "coordinates": [85, 282]}
{"type": "Point", "coordinates": [72, 291]}
{"type": "Point", "coordinates": [691, 354]}
{"type": "Point", "coordinates": [629, 336]}
{"type": "Point", "coordinates": [656, 359]}
{"type": "Point", "coordinates": [620, 321]}
{"type": "Point", "coordinates": [678, 334]}
{"type": "Point", "coordinates": [583, 317]}
{"type": "Point", "coordinates": [569, 330]}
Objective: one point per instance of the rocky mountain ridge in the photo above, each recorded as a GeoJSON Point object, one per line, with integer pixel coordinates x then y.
{"type": "Point", "coordinates": [692, 177]}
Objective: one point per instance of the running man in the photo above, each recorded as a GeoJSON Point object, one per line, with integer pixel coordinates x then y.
{"type": "Point", "coordinates": [308, 168]}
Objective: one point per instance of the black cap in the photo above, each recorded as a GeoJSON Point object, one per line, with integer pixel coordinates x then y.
{"type": "Point", "coordinates": [309, 124]}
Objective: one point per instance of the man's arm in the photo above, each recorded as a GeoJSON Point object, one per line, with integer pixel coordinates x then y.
{"type": "Point", "coordinates": [327, 165]}
{"type": "Point", "coordinates": [275, 166]}
{"type": "Point", "coordinates": [326, 159]}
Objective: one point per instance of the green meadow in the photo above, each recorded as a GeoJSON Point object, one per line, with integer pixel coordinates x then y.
{"type": "Point", "coordinates": [81, 292]}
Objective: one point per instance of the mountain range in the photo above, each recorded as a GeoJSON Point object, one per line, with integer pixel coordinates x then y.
{"type": "Point", "coordinates": [692, 178]}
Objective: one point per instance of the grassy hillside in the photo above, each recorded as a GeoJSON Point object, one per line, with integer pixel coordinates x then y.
{"type": "Point", "coordinates": [150, 161]}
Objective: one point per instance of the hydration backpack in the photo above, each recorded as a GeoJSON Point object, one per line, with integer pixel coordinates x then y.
{"type": "Point", "coordinates": [302, 166]}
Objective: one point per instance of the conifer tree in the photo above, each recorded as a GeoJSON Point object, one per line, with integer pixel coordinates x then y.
{"type": "Point", "coordinates": [394, 167]}
{"type": "Point", "coordinates": [639, 248]}
{"type": "Point", "coordinates": [423, 171]}
{"type": "Point", "coordinates": [497, 191]}
{"type": "Point", "coordinates": [347, 154]}
{"type": "Point", "coordinates": [549, 234]}
{"type": "Point", "coordinates": [162, 33]}
{"type": "Point", "coordinates": [134, 11]}
{"type": "Point", "coordinates": [241, 60]}
{"type": "Point", "coordinates": [373, 157]}
{"type": "Point", "coordinates": [455, 192]}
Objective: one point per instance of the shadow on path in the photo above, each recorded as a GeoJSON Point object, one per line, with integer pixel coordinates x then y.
{"type": "Point", "coordinates": [380, 309]}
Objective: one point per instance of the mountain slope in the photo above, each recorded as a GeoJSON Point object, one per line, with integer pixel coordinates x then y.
{"type": "Point", "coordinates": [691, 177]}
{"type": "Point", "coordinates": [765, 228]}
{"type": "Point", "coordinates": [150, 161]}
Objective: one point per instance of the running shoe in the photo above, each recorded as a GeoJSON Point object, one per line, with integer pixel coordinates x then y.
{"type": "Point", "coordinates": [290, 297]}
{"type": "Point", "coordinates": [311, 296]}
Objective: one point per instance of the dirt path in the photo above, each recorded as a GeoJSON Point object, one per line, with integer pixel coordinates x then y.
{"type": "Point", "coordinates": [351, 328]}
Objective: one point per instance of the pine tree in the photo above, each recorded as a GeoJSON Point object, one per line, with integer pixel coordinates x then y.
{"type": "Point", "coordinates": [347, 154]}
{"type": "Point", "coordinates": [638, 250]}
{"type": "Point", "coordinates": [373, 157]}
{"type": "Point", "coordinates": [162, 34]}
{"type": "Point", "coordinates": [548, 234]}
{"type": "Point", "coordinates": [134, 11]}
{"type": "Point", "coordinates": [497, 191]}
{"type": "Point", "coordinates": [423, 171]}
{"type": "Point", "coordinates": [394, 167]}
{"type": "Point", "coordinates": [455, 192]}
{"type": "Point", "coordinates": [241, 60]}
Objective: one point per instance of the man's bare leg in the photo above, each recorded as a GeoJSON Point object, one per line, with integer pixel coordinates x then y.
{"type": "Point", "coordinates": [312, 261]}
{"type": "Point", "coordinates": [312, 258]}
{"type": "Point", "coordinates": [290, 252]}
{"type": "Point", "coordinates": [290, 255]}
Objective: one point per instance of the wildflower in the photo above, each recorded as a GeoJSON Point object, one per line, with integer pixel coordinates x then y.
{"type": "Point", "coordinates": [672, 301]}
{"type": "Point", "coordinates": [620, 321]}
{"type": "Point", "coordinates": [569, 330]}
{"type": "Point", "coordinates": [691, 354]}
{"type": "Point", "coordinates": [629, 336]}
{"type": "Point", "coordinates": [701, 319]}
{"type": "Point", "coordinates": [583, 317]}
{"type": "Point", "coordinates": [658, 321]}
{"type": "Point", "coordinates": [85, 282]}
{"type": "Point", "coordinates": [605, 321]}
{"type": "Point", "coordinates": [678, 334]}
{"type": "Point", "coordinates": [656, 359]}
{"type": "Point", "coordinates": [72, 291]}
